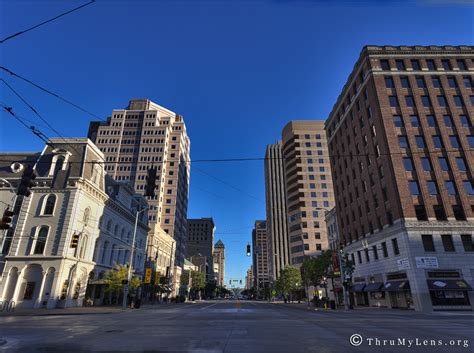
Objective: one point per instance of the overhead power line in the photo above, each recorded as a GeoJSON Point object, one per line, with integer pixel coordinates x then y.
{"type": "Point", "coordinates": [51, 93]}
{"type": "Point", "coordinates": [45, 22]}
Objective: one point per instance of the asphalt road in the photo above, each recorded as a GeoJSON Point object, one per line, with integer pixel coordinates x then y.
{"type": "Point", "coordinates": [231, 326]}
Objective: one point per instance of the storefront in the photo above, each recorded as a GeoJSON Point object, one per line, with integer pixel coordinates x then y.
{"type": "Point", "coordinates": [399, 294]}
{"type": "Point", "coordinates": [449, 294]}
{"type": "Point", "coordinates": [376, 295]}
{"type": "Point", "coordinates": [360, 297]}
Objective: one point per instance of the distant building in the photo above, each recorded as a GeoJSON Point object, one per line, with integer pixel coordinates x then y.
{"type": "Point", "coordinates": [74, 215]}
{"type": "Point", "coordinates": [219, 259]}
{"type": "Point", "coordinates": [249, 278]}
{"type": "Point", "coordinates": [200, 244]}
{"type": "Point", "coordinates": [277, 225]}
{"type": "Point", "coordinates": [261, 269]}
{"type": "Point", "coordinates": [332, 230]}
{"type": "Point", "coordinates": [400, 141]}
{"type": "Point", "coordinates": [309, 190]}
{"type": "Point", "coordinates": [146, 134]}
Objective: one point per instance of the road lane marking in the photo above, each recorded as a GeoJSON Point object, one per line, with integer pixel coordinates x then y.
{"type": "Point", "coordinates": [208, 306]}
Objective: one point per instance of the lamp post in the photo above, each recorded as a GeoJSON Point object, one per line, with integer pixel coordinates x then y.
{"type": "Point", "coordinates": [129, 272]}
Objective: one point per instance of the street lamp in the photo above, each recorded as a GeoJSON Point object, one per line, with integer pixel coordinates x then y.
{"type": "Point", "coordinates": [129, 273]}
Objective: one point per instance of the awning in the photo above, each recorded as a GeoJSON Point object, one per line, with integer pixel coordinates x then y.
{"type": "Point", "coordinates": [373, 287]}
{"type": "Point", "coordinates": [395, 286]}
{"type": "Point", "coordinates": [358, 287]}
{"type": "Point", "coordinates": [448, 284]}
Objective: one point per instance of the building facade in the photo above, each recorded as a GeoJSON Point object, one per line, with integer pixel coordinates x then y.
{"type": "Point", "coordinates": [219, 259]}
{"type": "Point", "coordinates": [332, 230]}
{"type": "Point", "coordinates": [261, 268]}
{"type": "Point", "coordinates": [275, 197]}
{"type": "Point", "coordinates": [401, 145]}
{"type": "Point", "coordinates": [48, 255]}
{"type": "Point", "coordinates": [144, 135]}
{"type": "Point", "coordinates": [249, 278]}
{"type": "Point", "coordinates": [308, 183]}
{"type": "Point", "coordinates": [200, 243]}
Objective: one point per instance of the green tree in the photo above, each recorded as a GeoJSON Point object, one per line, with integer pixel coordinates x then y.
{"type": "Point", "coordinates": [115, 278]}
{"type": "Point", "coordinates": [289, 281]}
{"type": "Point", "coordinates": [315, 268]}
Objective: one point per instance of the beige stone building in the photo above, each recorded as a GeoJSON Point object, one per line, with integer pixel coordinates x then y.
{"type": "Point", "coordinates": [146, 134]}
{"type": "Point", "coordinates": [309, 189]}
{"type": "Point", "coordinates": [219, 259]}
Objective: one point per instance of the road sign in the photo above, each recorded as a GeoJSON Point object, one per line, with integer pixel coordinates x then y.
{"type": "Point", "coordinates": [147, 279]}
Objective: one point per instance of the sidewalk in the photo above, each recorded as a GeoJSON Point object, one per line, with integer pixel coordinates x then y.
{"type": "Point", "coordinates": [97, 310]}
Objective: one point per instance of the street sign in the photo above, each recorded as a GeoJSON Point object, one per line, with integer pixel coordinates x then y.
{"type": "Point", "coordinates": [403, 264]}
{"type": "Point", "coordinates": [426, 262]}
{"type": "Point", "coordinates": [147, 279]}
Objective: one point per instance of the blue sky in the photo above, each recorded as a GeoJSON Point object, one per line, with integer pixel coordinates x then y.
{"type": "Point", "coordinates": [237, 72]}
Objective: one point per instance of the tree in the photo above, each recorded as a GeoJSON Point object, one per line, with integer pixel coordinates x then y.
{"type": "Point", "coordinates": [198, 282]}
{"type": "Point", "coordinates": [315, 268]}
{"type": "Point", "coordinates": [115, 277]}
{"type": "Point", "coordinates": [289, 281]}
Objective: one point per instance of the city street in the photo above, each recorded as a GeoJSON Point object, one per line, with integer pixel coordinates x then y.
{"type": "Point", "coordinates": [233, 326]}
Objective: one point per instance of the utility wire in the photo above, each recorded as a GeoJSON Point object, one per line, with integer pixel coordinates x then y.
{"type": "Point", "coordinates": [39, 115]}
{"type": "Point", "coordinates": [45, 22]}
{"type": "Point", "coordinates": [51, 93]}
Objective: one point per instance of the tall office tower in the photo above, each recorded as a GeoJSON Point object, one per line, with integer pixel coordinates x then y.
{"type": "Point", "coordinates": [401, 146]}
{"type": "Point", "coordinates": [144, 135]}
{"type": "Point", "coordinates": [261, 268]}
{"type": "Point", "coordinates": [249, 278]}
{"type": "Point", "coordinates": [277, 226]}
{"type": "Point", "coordinates": [219, 259]}
{"type": "Point", "coordinates": [309, 192]}
{"type": "Point", "coordinates": [200, 243]}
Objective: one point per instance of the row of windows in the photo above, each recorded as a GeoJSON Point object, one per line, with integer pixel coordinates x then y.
{"type": "Point", "coordinates": [437, 141]}
{"type": "Point", "coordinates": [449, 185]}
{"type": "Point", "coordinates": [432, 121]}
{"type": "Point", "coordinates": [448, 243]}
{"type": "Point", "coordinates": [426, 101]}
{"type": "Point", "coordinates": [421, 82]}
{"type": "Point", "coordinates": [375, 252]}
{"type": "Point", "coordinates": [443, 163]}
{"type": "Point", "coordinates": [400, 64]}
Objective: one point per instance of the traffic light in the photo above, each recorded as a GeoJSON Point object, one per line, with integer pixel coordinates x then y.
{"type": "Point", "coordinates": [75, 240]}
{"type": "Point", "coordinates": [6, 219]}
{"type": "Point", "coordinates": [240, 281]}
{"type": "Point", "coordinates": [230, 281]}
{"type": "Point", "coordinates": [26, 181]}
{"type": "Point", "coordinates": [150, 182]}
{"type": "Point", "coordinates": [248, 249]}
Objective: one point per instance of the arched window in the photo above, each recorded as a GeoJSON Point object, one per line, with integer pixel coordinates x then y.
{"type": "Point", "coordinates": [41, 237]}
{"type": "Point", "coordinates": [59, 164]}
{"type": "Point", "coordinates": [112, 254]}
{"type": "Point", "coordinates": [83, 247]}
{"type": "Point", "coordinates": [85, 218]}
{"type": "Point", "coordinates": [49, 204]}
{"type": "Point", "coordinates": [104, 252]}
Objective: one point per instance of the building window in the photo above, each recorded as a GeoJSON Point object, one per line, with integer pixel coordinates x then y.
{"type": "Point", "coordinates": [470, 141]}
{"type": "Point", "coordinates": [420, 212]}
{"type": "Point", "coordinates": [367, 257]}
{"type": "Point", "coordinates": [440, 214]}
{"type": "Point", "coordinates": [384, 249]}
{"type": "Point", "coordinates": [397, 121]}
{"type": "Point", "coordinates": [448, 244]}
{"type": "Point", "coordinates": [428, 243]}
{"type": "Point", "coordinates": [443, 163]}
{"type": "Point", "coordinates": [458, 212]}
{"type": "Point", "coordinates": [448, 121]}
{"type": "Point", "coordinates": [404, 82]}
{"type": "Point", "coordinates": [431, 121]}
{"type": "Point", "coordinates": [442, 101]}
{"type": "Point", "coordinates": [461, 164]}
{"type": "Point", "coordinates": [385, 64]}
{"type": "Point", "coordinates": [389, 82]}
{"type": "Point", "coordinates": [85, 218]}
{"type": "Point", "coordinates": [436, 82]}
{"type": "Point", "coordinates": [415, 64]}
{"type": "Point", "coordinates": [426, 101]}
{"type": "Point", "coordinates": [40, 243]}
{"type": "Point", "coordinates": [359, 257]}
{"type": "Point", "coordinates": [446, 64]}
{"type": "Point", "coordinates": [432, 187]}
{"type": "Point", "coordinates": [437, 141]}
{"type": "Point", "coordinates": [425, 162]}
{"type": "Point", "coordinates": [393, 101]}
{"type": "Point", "coordinates": [431, 64]}
{"type": "Point", "coordinates": [396, 250]}
{"type": "Point", "coordinates": [458, 101]}
{"type": "Point", "coordinates": [468, 187]}
{"type": "Point", "coordinates": [461, 64]}
{"type": "Point", "coordinates": [414, 188]}
{"type": "Point", "coordinates": [408, 163]}
{"type": "Point", "coordinates": [467, 82]}
{"type": "Point", "coordinates": [420, 141]}
{"type": "Point", "coordinates": [415, 121]}
{"type": "Point", "coordinates": [403, 142]}
{"type": "Point", "coordinates": [49, 204]}
{"type": "Point", "coordinates": [400, 64]}
{"type": "Point", "coordinates": [452, 82]}
{"type": "Point", "coordinates": [465, 122]}
{"type": "Point", "coordinates": [420, 82]}
{"type": "Point", "coordinates": [409, 101]}
{"type": "Point", "coordinates": [451, 187]}
{"type": "Point", "coordinates": [467, 242]}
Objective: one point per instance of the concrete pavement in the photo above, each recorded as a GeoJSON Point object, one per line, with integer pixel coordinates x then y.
{"type": "Point", "coordinates": [231, 326]}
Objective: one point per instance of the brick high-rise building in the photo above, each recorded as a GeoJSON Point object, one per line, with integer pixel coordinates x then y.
{"type": "Point", "coordinates": [401, 143]}
{"type": "Point", "coordinates": [309, 191]}
{"type": "Point", "coordinates": [143, 135]}
{"type": "Point", "coordinates": [261, 268]}
{"type": "Point", "coordinates": [277, 225]}
{"type": "Point", "coordinates": [200, 243]}
{"type": "Point", "coordinates": [219, 259]}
